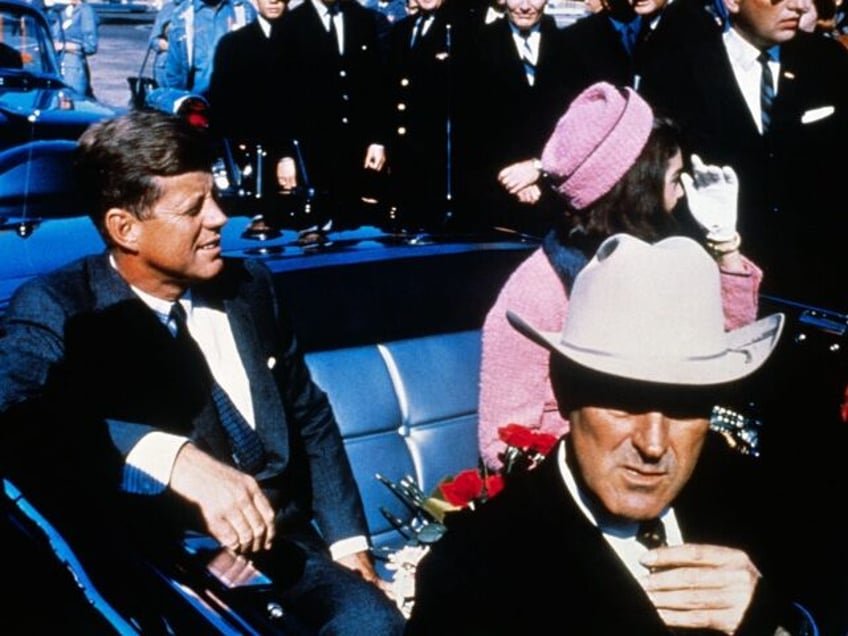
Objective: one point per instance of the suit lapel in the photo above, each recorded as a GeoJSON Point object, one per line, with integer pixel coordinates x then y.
{"type": "Point", "coordinates": [731, 111]}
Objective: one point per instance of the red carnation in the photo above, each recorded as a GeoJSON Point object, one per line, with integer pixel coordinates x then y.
{"type": "Point", "coordinates": [521, 437]}
{"type": "Point", "coordinates": [468, 486]}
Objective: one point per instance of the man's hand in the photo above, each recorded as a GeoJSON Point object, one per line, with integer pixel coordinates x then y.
{"type": "Point", "coordinates": [712, 193]}
{"type": "Point", "coordinates": [700, 586]}
{"type": "Point", "coordinates": [375, 157]}
{"type": "Point", "coordinates": [286, 173]}
{"type": "Point", "coordinates": [361, 562]}
{"type": "Point", "coordinates": [234, 508]}
{"type": "Point", "coordinates": [517, 176]}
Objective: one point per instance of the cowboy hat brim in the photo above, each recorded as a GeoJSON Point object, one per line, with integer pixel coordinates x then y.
{"type": "Point", "coordinates": [747, 348]}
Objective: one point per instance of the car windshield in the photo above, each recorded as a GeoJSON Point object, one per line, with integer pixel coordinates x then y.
{"type": "Point", "coordinates": [25, 45]}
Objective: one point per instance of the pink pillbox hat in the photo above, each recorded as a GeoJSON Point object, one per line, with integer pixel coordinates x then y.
{"type": "Point", "coordinates": [596, 142]}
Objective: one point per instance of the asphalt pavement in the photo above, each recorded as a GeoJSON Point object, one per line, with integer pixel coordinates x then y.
{"type": "Point", "coordinates": [120, 52]}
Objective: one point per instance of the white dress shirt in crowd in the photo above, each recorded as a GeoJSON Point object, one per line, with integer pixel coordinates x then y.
{"type": "Point", "coordinates": [264, 25]}
{"type": "Point", "coordinates": [326, 16]}
{"type": "Point", "coordinates": [743, 60]}
{"type": "Point", "coordinates": [527, 45]}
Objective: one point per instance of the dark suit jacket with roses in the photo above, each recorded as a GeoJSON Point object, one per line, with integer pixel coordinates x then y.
{"type": "Point", "coordinates": [529, 559]}
{"type": "Point", "coordinates": [88, 369]}
{"type": "Point", "coordinates": [791, 216]}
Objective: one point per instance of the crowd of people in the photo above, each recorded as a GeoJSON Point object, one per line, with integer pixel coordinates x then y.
{"type": "Point", "coordinates": [645, 144]}
{"type": "Point", "coordinates": [436, 120]}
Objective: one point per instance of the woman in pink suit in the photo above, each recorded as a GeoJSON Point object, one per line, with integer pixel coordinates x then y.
{"type": "Point", "coordinates": [617, 168]}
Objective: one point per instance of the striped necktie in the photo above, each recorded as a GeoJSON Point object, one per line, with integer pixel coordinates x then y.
{"type": "Point", "coordinates": [245, 445]}
{"type": "Point", "coordinates": [766, 88]}
{"type": "Point", "coordinates": [527, 59]}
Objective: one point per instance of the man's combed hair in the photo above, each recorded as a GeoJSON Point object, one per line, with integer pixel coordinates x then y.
{"type": "Point", "coordinates": [118, 159]}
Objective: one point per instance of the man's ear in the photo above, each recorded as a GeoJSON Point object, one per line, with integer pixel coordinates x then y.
{"type": "Point", "coordinates": [732, 6]}
{"type": "Point", "coordinates": [123, 227]}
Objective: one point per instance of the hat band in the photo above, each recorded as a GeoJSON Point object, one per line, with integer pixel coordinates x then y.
{"type": "Point", "coordinates": [703, 358]}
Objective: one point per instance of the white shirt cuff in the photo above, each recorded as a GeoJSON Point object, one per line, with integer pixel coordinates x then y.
{"type": "Point", "coordinates": [346, 547]}
{"type": "Point", "coordinates": [148, 467]}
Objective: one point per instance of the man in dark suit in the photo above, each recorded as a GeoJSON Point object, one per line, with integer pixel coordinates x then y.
{"type": "Point", "coordinates": [167, 378]}
{"type": "Point", "coordinates": [619, 42]}
{"type": "Point", "coordinates": [639, 521]}
{"type": "Point", "coordinates": [514, 98]}
{"type": "Point", "coordinates": [790, 212]}
{"type": "Point", "coordinates": [246, 107]}
{"type": "Point", "coordinates": [336, 108]}
{"type": "Point", "coordinates": [426, 53]}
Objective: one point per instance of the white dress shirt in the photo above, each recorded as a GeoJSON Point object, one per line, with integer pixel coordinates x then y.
{"type": "Point", "coordinates": [748, 72]}
{"type": "Point", "coordinates": [528, 47]}
{"type": "Point", "coordinates": [338, 22]}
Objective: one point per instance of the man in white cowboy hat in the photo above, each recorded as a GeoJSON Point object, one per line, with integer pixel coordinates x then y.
{"type": "Point", "coordinates": [640, 363]}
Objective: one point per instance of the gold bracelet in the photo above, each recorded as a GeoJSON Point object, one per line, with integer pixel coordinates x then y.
{"type": "Point", "coordinates": [720, 248]}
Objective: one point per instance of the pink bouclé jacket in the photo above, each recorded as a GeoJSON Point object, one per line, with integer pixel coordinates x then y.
{"type": "Point", "coordinates": [514, 383]}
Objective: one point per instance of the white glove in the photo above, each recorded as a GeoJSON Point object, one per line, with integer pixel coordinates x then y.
{"type": "Point", "coordinates": [712, 192]}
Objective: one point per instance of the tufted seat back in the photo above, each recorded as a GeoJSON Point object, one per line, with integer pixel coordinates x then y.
{"type": "Point", "coordinates": [407, 407]}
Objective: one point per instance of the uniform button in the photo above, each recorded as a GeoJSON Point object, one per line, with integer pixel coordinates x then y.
{"type": "Point", "coordinates": [402, 130]}
{"type": "Point", "coordinates": [404, 82]}
{"type": "Point", "coordinates": [401, 107]}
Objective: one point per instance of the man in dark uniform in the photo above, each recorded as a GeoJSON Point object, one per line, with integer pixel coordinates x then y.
{"type": "Point", "coordinates": [425, 56]}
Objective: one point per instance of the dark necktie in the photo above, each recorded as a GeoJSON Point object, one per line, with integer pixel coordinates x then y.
{"type": "Point", "coordinates": [766, 88]}
{"type": "Point", "coordinates": [527, 58]}
{"type": "Point", "coordinates": [629, 33]}
{"type": "Point", "coordinates": [245, 445]}
{"type": "Point", "coordinates": [333, 11]}
{"type": "Point", "coordinates": [651, 534]}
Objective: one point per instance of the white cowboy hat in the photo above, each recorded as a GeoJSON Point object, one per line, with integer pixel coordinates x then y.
{"type": "Point", "coordinates": [654, 313]}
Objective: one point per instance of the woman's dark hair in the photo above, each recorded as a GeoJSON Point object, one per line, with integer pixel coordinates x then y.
{"type": "Point", "coordinates": [635, 204]}
{"type": "Point", "coordinates": [117, 160]}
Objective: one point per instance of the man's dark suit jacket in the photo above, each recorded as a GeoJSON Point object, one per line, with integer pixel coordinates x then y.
{"type": "Point", "coordinates": [791, 216]}
{"type": "Point", "coordinates": [505, 120]}
{"type": "Point", "coordinates": [529, 558]}
{"type": "Point", "coordinates": [244, 91]}
{"type": "Point", "coordinates": [335, 106]}
{"type": "Point", "coordinates": [595, 52]}
{"type": "Point", "coordinates": [104, 356]}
